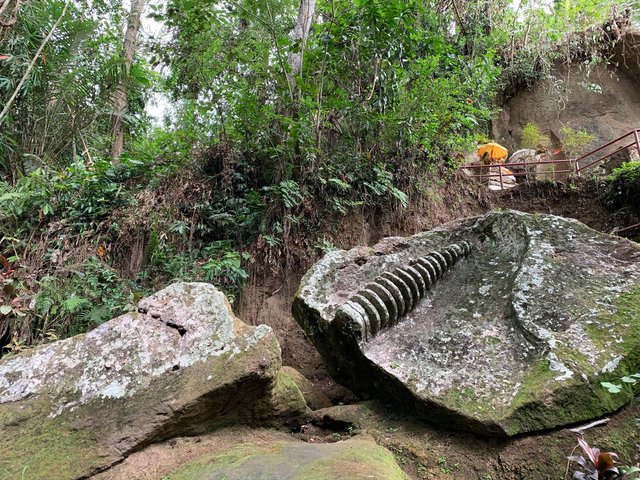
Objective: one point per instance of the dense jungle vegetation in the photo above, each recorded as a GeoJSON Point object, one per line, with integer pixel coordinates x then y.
{"type": "Point", "coordinates": [278, 116]}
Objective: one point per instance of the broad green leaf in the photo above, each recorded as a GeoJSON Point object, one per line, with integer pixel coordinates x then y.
{"type": "Point", "coordinates": [611, 387]}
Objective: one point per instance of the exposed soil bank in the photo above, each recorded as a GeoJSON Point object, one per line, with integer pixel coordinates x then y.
{"type": "Point", "coordinates": [578, 200]}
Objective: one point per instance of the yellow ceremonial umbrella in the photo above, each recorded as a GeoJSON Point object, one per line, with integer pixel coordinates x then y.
{"type": "Point", "coordinates": [494, 151]}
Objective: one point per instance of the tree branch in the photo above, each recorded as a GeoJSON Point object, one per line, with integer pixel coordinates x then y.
{"type": "Point", "coordinates": [16, 92]}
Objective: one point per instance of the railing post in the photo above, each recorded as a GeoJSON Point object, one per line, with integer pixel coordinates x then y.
{"type": "Point", "coordinates": [637, 137]}
{"type": "Point", "coordinates": [500, 172]}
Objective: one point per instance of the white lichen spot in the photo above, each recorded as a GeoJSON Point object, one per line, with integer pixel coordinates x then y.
{"type": "Point", "coordinates": [114, 390]}
{"type": "Point", "coordinates": [555, 365]}
{"type": "Point", "coordinates": [612, 365]}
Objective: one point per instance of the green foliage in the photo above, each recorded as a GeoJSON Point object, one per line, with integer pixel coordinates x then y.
{"type": "Point", "coordinates": [624, 187]}
{"type": "Point", "coordinates": [92, 294]}
{"type": "Point", "coordinates": [382, 185]}
{"type": "Point", "coordinates": [217, 263]}
{"type": "Point", "coordinates": [629, 380]}
{"type": "Point", "coordinates": [393, 82]}
{"type": "Point", "coordinates": [325, 246]}
{"type": "Point", "coordinates": [574, 143]}
{"type": "Point", "coordinates": [533, 138]}
{"type": "Point", "coordinates": [62, 113]}
{"type": "Point", "coordinates": [80, 194]}
{"type": "Point", "coordinates": [538, 35]}
{"type": "Point", "coordinates": [226, 271]}
{"type": "Point", "coordinates": [49, 219]}
{"type": "Point", "coordinates": [287, 192]}
{"type": "Point", "coordinates": [383, 100]}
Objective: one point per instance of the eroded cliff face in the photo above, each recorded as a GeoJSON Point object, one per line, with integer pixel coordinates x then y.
{"type": "Point", "coordinates": [500, 324]}
{"type": "Point", "coordinates": [604, 101]}
{"type": "Point", "coordinates": [626, 55]}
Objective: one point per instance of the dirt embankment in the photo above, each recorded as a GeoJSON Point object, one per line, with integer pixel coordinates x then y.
{"type": "Point", "coordinates": [578, 200]}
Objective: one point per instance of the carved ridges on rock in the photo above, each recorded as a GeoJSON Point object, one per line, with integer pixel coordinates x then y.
{"type": "Point", "coordinates": [394, 294]}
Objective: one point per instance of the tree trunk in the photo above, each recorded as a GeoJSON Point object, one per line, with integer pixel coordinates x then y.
{"type": "Point", "coordinates": [32, 64]}
{"type": "Point", "coordinates": [120, 97]}
{"type": "Point", "coordinates": [300, 34]}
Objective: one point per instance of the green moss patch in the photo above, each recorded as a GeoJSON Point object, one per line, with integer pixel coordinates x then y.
{"type": "Point", "coordinates": [357, 458]}
{"type": "Point", "coordinates": [50, 449]}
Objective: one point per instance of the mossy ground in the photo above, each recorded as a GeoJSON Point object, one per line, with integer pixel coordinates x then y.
{"type": "Point", "coordinates": [421, 451]}
{"type": "Point", "coordinates": [425, 452]}
{"type": "Point", "coordinates": [275, 456]}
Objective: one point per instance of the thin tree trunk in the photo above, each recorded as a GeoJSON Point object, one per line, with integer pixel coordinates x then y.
{"type": "Point", "coordinates": [120, 97]}
{"type": "Point", "coordinates": [32, 64]}
{"type": "Point", "coordinates": [3, 6]}
{"type": "Point", "coordinates": [300, 34]}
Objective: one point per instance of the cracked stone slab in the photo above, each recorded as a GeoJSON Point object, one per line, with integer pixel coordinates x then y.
{"type": "Point", "coordinates": [182, 364]}
{"type": "Point", "coordinates": [500, 324]}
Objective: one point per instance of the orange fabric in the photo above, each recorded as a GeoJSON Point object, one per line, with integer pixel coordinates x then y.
{"type": "Point", "coordinates": [494, 151]}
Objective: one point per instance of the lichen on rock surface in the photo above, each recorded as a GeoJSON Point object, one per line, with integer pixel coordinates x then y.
{"type": "Point", "coordinates": [515, 337]}
{"type": "Point", "coordinates": [182, 364]}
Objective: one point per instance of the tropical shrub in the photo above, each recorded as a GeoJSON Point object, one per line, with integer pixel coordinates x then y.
{"type": "Point", "coordinates": [624, 187]}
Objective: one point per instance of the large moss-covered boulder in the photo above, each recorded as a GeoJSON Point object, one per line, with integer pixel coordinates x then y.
{"type": "Point", "coordinates": [501, 324]}
{"type": "Point", "coordinates": [182, 365]}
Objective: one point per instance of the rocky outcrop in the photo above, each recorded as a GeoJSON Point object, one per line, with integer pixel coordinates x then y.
{"type": "Point", "coordinates": [604, 100]}
{"type": "Point", "coordinates": [182, 365]}
{"type": "Point", "coordinates": [508, 326]}
{"type": "Point", "coordinates": [525, 163]}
